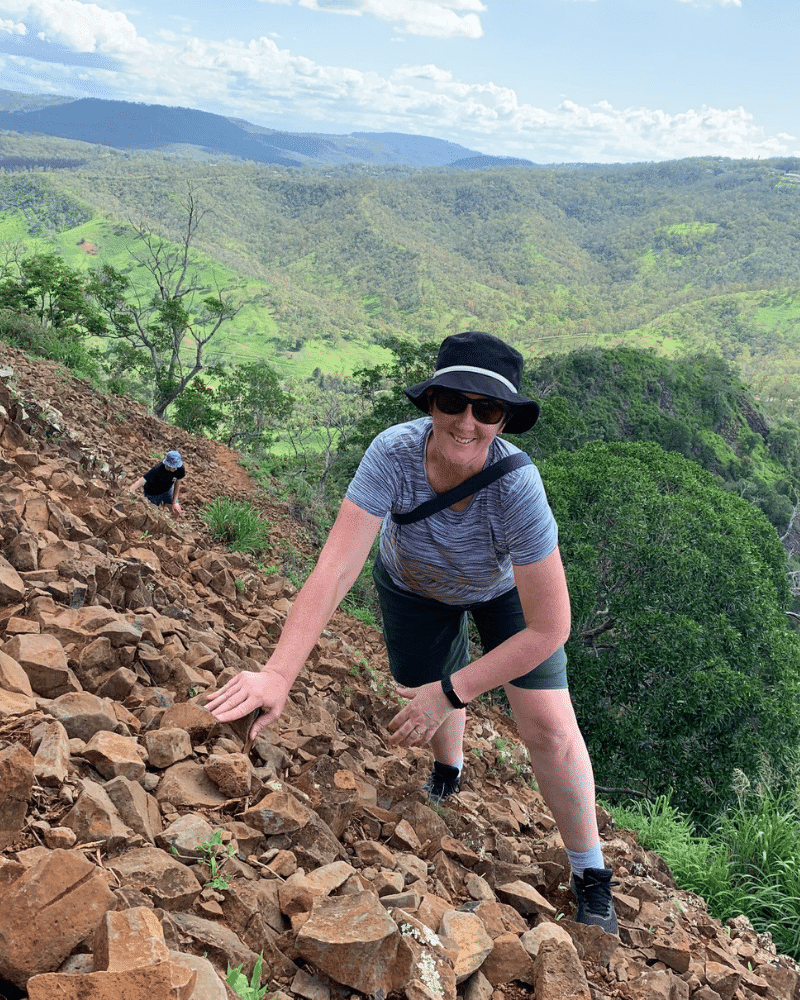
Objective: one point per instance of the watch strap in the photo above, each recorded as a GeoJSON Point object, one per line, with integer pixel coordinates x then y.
{"type": "Point", "coordinates": [452, 697]}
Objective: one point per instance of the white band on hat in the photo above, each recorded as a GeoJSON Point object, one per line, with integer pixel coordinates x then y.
{"type": "Point", "coordinates": [478, 371]}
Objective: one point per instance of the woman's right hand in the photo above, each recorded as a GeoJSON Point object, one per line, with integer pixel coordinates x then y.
{"type": "Point", "coordinates": [247, 691]}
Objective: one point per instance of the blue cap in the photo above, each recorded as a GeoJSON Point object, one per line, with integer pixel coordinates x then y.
{"type": "Point", "coordinates": [173, 459]}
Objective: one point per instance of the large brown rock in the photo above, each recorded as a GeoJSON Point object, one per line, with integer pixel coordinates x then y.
{"type": "Point", "coordinates": [187, 785]}
{"type": "Point", "coordinates": [13, 704]}
{"type": "Point", "coordinates": [16, 785]}
{"type": "Point", "coordinates": [128, 939]}
{"type": "Point", "coordinates": [474, 944]}
{"type": "Point", "coordinates": [167, 980]}
{"type": "Point", "coordinates": [136, 807]}
{"type": "Point", "coordinates": [214, 941]}
{"type": "Point", "coordinates": [13, 677]}
{"type": "Point", "coordinates": [12, 587]}
{"type": "Point", "coordinates": [52, 756]}
{"type": "Point", "coordinates": [558, 973]}
{"type": "Point", "coordinates": [56, 904]}
{"type": "Point", "coordinates": [83, 714]}
{"type": "Point", "coordinates": [95, 819]}
{"type": "Point", "coordinates": [354, 941]}
{"type": "Point", "coordinates": [114, 755]}
{"type": "Point", "coordinates": [43, 659]}
{"type": "Point", "coordinates": [277, 812]}
{"type": "Point", "coordinates": [158, 875]}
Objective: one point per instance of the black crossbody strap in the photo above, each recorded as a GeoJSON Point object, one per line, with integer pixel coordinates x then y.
{"type": "Point", "coordinates": [463, 490]}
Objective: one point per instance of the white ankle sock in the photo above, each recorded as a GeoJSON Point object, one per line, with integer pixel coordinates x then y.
{"type": "Point", "coordinates": [581, 860]}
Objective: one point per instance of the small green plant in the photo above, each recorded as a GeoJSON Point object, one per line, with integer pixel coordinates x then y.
{"type": "Point", "coordinates": [376, 680]}
{"type": "Point", "coordinates": [362, 614]}
{"type": "Point", "coordinates": [238, 525]}
{"type": "Point", "coordinates": [212, 853]}
{"type": "Point", "coordinates": [252, 990]}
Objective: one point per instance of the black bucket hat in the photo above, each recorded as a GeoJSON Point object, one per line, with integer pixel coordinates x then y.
{"type": "Point", "coordinates": [480, 362]}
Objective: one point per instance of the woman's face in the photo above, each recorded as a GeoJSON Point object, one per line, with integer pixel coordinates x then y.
{"type": "Point", "coordinates": [459, 437]}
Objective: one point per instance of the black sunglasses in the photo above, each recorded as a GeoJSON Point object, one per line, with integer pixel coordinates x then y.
{"type": "Point", "coordinates": [485, 411]}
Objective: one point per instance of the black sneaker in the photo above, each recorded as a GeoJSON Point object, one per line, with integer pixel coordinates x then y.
{"type": "Point", "coordinates": [444, 781]}
{"type": "Point", "coordinates": [595, 902]}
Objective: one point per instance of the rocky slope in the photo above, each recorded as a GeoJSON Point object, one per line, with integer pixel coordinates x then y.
{"type": "Point", "coordinates": [145, 848]}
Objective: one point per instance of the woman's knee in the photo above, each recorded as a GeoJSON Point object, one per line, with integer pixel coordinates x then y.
{"type": "Point", "coordinates": [545, 720]}
{"type": "Point", "coordinates": [548, 738]}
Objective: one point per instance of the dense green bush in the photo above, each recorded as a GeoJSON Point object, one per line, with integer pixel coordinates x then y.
{"type": "Point", "coordinates": [62, 347]}
{"type": "Point", "coordinates": [683, 664]}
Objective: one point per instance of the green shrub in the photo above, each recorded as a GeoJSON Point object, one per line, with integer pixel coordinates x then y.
{"type": "Point", "coordinates": [238, 525]}
{"type": "Point", "coordinates": [683, 664]}
{"type": "Point", "coordinates": [63, 347]}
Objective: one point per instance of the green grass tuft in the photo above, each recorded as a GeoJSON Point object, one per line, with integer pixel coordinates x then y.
{"type": "Point", "coordinates": [238, 525]}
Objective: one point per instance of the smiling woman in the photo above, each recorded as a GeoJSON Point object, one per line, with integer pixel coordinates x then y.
{"type": "Point", "coordinates": [491, 554]}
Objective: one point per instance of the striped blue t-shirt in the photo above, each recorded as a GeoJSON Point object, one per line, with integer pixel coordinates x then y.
{"type": "Point", "coordinates": [456, 557]}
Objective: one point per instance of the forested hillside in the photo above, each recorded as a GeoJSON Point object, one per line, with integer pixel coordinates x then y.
{"type": "Point", "coordinates": [683, 256]}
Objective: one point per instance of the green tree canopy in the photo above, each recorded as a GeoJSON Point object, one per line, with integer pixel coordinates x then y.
{"type": "Point", "coordinates": [683, 664]}
{"type": "Point", "coordinates": [252, 404]}
{"type": "Point", "coordinates": [47, 288]}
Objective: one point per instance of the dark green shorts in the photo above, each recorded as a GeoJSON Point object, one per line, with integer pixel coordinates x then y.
{"type": "Point", "coordinates": [427, 640]}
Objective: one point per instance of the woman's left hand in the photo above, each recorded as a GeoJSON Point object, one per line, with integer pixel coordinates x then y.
{"type": "Point", "coordinates": [426, 710]}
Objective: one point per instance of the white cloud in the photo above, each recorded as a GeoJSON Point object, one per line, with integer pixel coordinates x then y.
{"type": "Point", "coordinates": [433, 18]}
{"type": "Point", "coordinates": [12, 27]}
{"type": "Point", "coordinates": [271, 85]}
{"type": "Point", "coordinates": [82, 27]}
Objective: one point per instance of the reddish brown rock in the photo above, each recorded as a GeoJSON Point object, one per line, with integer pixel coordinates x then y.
{"type": "Point", "coordinates": [167, 746]}
{"type": "Point", "coordinates": [16, 784]}
{"type": "Point", "coordinates": [115, 756]}
{"type": "Point", "coordinates": [51, 763]}
{"type": "Point", "coordinates": [43, 659]}
{"type": "Point", "coordinates": [166, 981]}
{"type": "Point", "coordinates": [12, 676]}
{"type": "Point", "coordinates": [354, 941]}
{"type": "Point", "coordinates": [558, 973]}
{"type": "Point", "coordinates": [157, 875]}
{"type": "Point", "coordinates": [95, 819]}
{"type": "Point", "coordinates": [47, 911]}
{"type": "Point", "coordinates": [11, 586]}
{"type": "Point", "coordinates": [128, 939]}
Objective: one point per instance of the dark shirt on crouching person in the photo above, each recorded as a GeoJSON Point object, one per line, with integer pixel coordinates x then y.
{"type": "Point", "coordinates": [160, 479]}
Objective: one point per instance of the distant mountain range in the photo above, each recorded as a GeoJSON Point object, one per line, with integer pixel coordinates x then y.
{"type": "Point", "coordinates": [123, 125]}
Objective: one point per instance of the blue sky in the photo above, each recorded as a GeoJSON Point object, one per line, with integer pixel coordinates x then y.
{"type": "Point", "coordinates": [549, 80]}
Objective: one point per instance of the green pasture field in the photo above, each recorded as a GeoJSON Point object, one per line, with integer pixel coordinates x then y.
{"type": "Point", "coordinates": [250, 336]}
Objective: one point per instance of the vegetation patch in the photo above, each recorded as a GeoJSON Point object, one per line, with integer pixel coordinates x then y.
{"type": "Point", "coordinates": [238, 525]}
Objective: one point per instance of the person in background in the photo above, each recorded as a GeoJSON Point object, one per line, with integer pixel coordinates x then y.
{"type": "Point", "coordinates": [163, 482]}
{"type": "Point", "coordinates": [493, 555]}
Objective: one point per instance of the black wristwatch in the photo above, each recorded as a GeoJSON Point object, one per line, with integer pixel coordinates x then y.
{"type": "Point", "coordinates": [452, 697]}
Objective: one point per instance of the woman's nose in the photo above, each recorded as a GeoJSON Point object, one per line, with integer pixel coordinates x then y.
{"type": "Point", "coordinates": [466, 418]}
